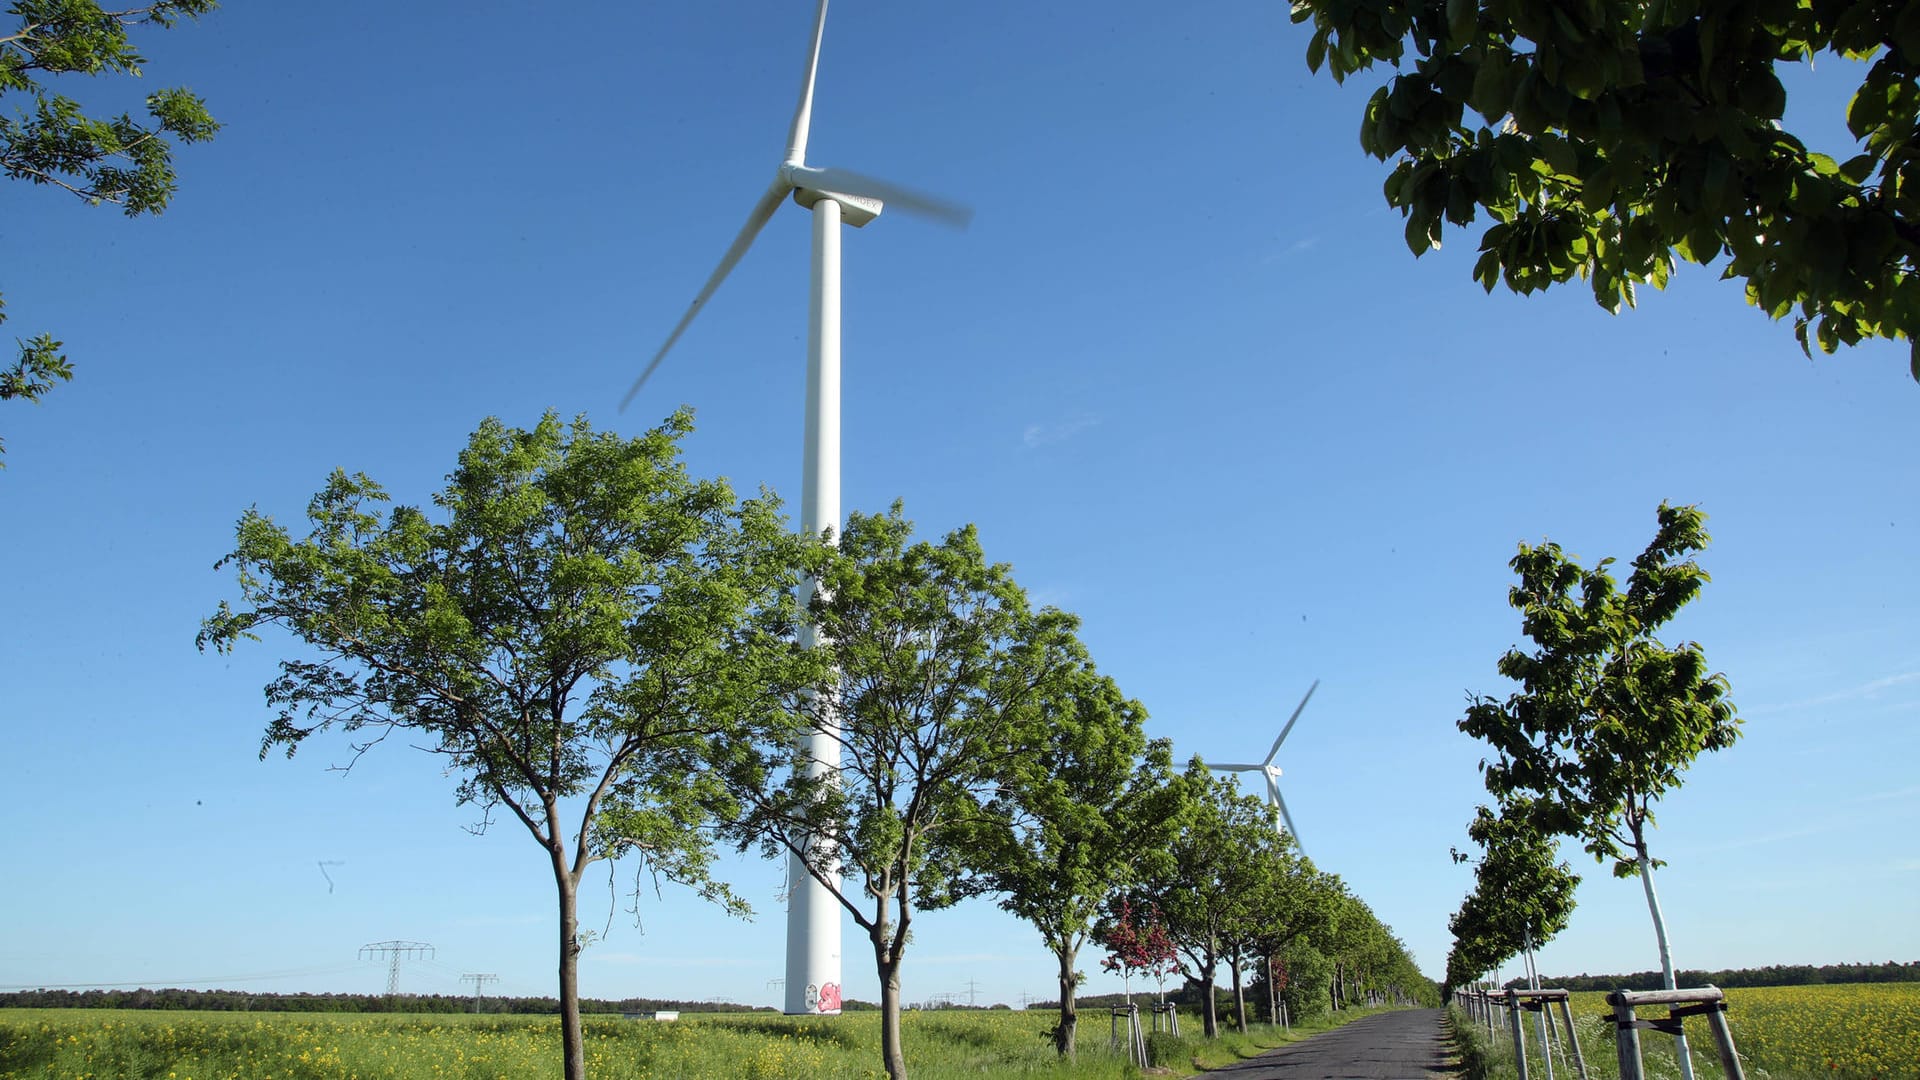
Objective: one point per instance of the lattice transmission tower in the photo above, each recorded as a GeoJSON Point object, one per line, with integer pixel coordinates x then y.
{"type": "Point", "coordinates": [393, 952]}
{"type": "Point", "coordinates": [479, 982]}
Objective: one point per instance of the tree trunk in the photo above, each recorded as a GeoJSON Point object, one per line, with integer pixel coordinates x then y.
{"type": "Point", "coordinates": [572, 1045]}
{"type": "Point", "coordinates": [890, 1052]}
{"type": "Point", "coordinates": [1666, 954]}
{"type": "Point", "coordinates": [1273, 994]}
{"type": "Point", "coordinates": [1210, 1024]}
{"type": "Point", "coordinates": [1239, 997]}
{"type": "Point", "coordinates": [1069, 1015]}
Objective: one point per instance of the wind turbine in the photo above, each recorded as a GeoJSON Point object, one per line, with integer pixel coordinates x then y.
{"type": "Point", "coordinates": [836, 197]}
{"type": "Point", "coordinates": [1272, 772]}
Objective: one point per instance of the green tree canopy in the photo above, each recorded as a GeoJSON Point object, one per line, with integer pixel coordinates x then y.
{"type": "Point", "coordinates": [1611, 136]}
{"type": "Point", "coordinates": [1069, 825]}
{"type": "Point", "coordinates": [581, 626]}
{"type": "Point", "coordinates": [938, 680]}
{"type": "Point", "coordinates": [1522, 895]}
{"type": "Point", "coordinates": [48, 139]}
{"type": "Point", "coordinates": [1607, 718]}
{"type": "Point", "coordinates": [1209, 875]}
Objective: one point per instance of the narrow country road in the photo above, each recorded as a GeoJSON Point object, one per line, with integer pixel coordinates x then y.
{"type": "Point", "coordinates": [1407, 1044]}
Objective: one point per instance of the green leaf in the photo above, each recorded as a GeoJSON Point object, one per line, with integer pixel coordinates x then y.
{"type": "Point", "coordinates": [1858, 168]}
{"type": "Point", "coordinates": [1462, 20]}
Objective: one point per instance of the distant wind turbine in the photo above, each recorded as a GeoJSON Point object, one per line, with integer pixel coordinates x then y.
{"type": "Point", "coordinates": [836, 197]}
{"type": "Point", "coordinates": [1271, 771]}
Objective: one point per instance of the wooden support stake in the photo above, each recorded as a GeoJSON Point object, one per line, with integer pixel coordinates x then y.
{"type": "Point", "coordinates": [1627, 1038]}
{"type": "Point", "coordinates": [1723, 1038]}
{"type": "Point", "coordinates": [1579, 1060]}
{"type": "Point", "coordinates": [1519, 1034]}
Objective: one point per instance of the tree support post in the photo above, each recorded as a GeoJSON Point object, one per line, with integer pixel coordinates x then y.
{"type": "Point", "coordinates": [1136, 1040]}
{"type": "Point", "coordinates": [1519, 1033]}
{"type": "Point", "coordinates": [1708, 1001]}
{"type": "Point", "coordinates": [1579, 1059]}
{"type": "Point", "coordinates": [1542, 1002]}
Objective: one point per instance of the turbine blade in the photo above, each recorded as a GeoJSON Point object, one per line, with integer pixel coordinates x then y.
{"type": "Point", "coordinates": [1236, 768]}
{"type": "Point", "coordinates": [762, 212]}
{"type": "Point", "coordinates": [1296, 715]}
{"type": "Point", "coordinates": [1291, 831]}
{"type": "Point", "coordinates": [803, 112]}
{"type": "Point", "coordinates": [897, 196]}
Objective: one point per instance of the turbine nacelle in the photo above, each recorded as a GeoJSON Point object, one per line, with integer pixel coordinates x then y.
{"type": "Point", "coordinates": [1282, 818]}
{"type": "Point", "coordinates": [855, 210]}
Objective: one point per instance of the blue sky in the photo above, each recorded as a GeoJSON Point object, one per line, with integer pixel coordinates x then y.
{"type": "Point", "coordinates": [1182, 372]}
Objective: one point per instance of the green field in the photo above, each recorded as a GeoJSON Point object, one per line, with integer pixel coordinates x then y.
{"type": "Point", "coordinates": [1863, 1031]}
{"type": "Point", "coordinates": [105, 1044]}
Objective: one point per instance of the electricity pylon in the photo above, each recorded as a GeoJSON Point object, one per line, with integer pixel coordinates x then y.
{"type": "Point", "coordinates": [479, 986]}
{"type": "Point", "coordinates": [394, 952]}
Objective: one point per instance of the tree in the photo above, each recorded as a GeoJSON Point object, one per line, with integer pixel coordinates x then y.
{"type": "Point", "coordinates": [1275, 891]}
{"type": "Point", "coordinates": [1136, 943]}
{"type": "Point", "coordinates": [1356, 943]}
{"type": "Point", "coordinates": [583, 629]}
{"type": "Point", "coordinates": [937, 683]}
{"type": "Point", "coordinates": [1613, 135]}
{"type": "Point", "coordinates": [1067, 828]}
{"type": "Point", "coordinates": [1294, 905]}
{"type": "Point", "coordinates": [1606, 718]}
{"type": "Point", "coordinates": [1208, 875]}
{"type": "Point", "coordinates": [120, 161]}
{"type": "Point", "coordinates": [1522, 895]}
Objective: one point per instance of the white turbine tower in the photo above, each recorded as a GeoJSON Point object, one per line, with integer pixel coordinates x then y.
{"type": "Point", "coordinates": [836, 197]}
{"type": "Point", "coordinates": [1271, 771]}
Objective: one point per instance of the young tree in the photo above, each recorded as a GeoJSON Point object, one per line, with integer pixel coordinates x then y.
{"type": "Point", "coordinates": [584, 626]}
{"type": "Point", "coordinates": [120, 161]}
{"type": "Point", "coordinates": [938, 693]}
{"type": "Point", "coordinates": [1137, 943]}
{"type": "Point", "coordinates": [1606, 718]}
{"type": "Point", "coordinates": [1616, 134]}
{"type": "Point", "coordinates": [1069, 825]}
{"type": "Point", "coordinates": [1522, 894]}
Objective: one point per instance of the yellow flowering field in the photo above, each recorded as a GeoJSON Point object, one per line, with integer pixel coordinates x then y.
{"type": "Point", "coordinates": [1858, 1031]}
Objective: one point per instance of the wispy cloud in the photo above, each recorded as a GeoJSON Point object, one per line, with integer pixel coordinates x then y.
{"type": "Point", "coordinates": [1304, 243]}
{"type": "Point", "coordinates": [1046, 596]}
{"type": "Point", "coordinates": [1887, 796]}
{"type": "Point", "coordinates": [1061, 431]}
{"type": "Point", "coordinates": [1767, 840]}
{"type": "Point", "coordinates": [1872, 690]}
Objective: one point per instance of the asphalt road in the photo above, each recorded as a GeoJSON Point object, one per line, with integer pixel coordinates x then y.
{"type": "Point", "coordinates": [1407, 1044]}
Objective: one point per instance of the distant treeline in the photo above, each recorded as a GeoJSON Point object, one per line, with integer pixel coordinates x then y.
{"type": "Point", "coordinates": [1771, 975]}
{"type": "Point", "coordinates": [242, 1001]}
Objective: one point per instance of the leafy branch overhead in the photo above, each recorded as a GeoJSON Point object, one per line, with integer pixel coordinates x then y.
{"type": "Point", "coordinates": [116, 160]}
{"type": "Point", "coordinates": [50, 139]}
{"type": "Point", "coordinates": [1613, 135]}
